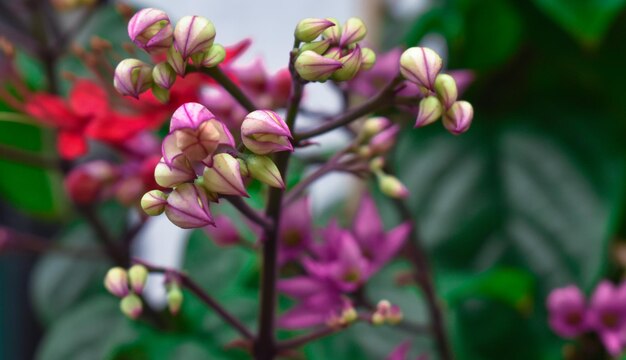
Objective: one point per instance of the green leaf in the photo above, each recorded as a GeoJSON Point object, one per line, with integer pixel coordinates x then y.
{"type": "Point", "coordinates": [586, 20]}
{"type": "Point", "coordinates": [90, 331]}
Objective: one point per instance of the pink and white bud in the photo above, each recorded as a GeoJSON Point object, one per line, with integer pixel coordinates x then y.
{"type": "Point", "coordinates": [178, 172]}
{"type": "Point", "coordinates": [384, 141]}
{"type": "Point", "coordinates": [131, 306]}
{"type": "Point", "coordinates": [312, 66]}
{"type": "Point", "coordinates": [459, 117]}
{"type": "Point", "coordinates": [132, 77]}
{"type": "Point", "coordinates": [351, 65]}
{"type": "Point", "coordinates": [163, 75]}
{"type": "Point", "coordinates": [429, 111]}
{"type": "Point", "coordinates": [176, 61]}
{"type": "Point", "coordinates": [224, 176]}
{"type": "Point", "coordinates": [333, 33]}
{"type": "Point", "coordinates": [263, 169]}
{"type": "Point", "coordinates": [137, 276]}
{"type": "Point", "coordinates": [445, 88]}
{"type": "Point", "coordinates": [420, 65]}
{"type": "Point", "coordinates": [151, 30]}
{"type": "Point", "coordinates": [116, 282]}
{"type": "Point", "coordinates": [210, 58]}
{"type": "Point", "coordinates": [154, 202]}
{"type": "Point", "coordinates": [309, 29]}
{"type": "Point", "coordinates": [318, 47]}
{"type": "Point", "coordinates": [392, 187]}
{"type": "Point", "coordinates": [353, 31]}
{"type": "Point", "coordinates": [374, 125]}
{"type": "Point", "coordinates": [368, 58]}
{"type": "Point", "coordinates": [264, 132]}
{"type": "Point", "coordinates": [188, 207]}
{"type": "Point", "coordinates": [193, 35]}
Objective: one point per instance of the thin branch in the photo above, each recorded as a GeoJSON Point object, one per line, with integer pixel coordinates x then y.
{"type": "Point", "coordinates": [307, 338]}
{"type": "Point", "coordinates": [192, 286]}
{"type": "Point", "coordinates": [379, 101]}
{"type": "Point", "coordinates": [218, 75]}
{"type": "Point", "coordinates": [248, 212]}
{"type": "Point", "coordinates": [9, 153]}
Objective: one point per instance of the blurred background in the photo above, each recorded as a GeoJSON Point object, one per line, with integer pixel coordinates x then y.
{"type": "Point", "coordinates": [530, 198]}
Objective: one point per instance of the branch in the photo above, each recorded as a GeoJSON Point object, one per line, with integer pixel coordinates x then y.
{"type": "Point", "coordinates": [218, 75]}
{"type": "Point", "coordinates": [192, 286]}
{"type": "Point", "coordinates": [307, 338]}
{"type": "Point", "coordinates": [377, 102]}
{"type": "Point", "coordinates": [248, 212]}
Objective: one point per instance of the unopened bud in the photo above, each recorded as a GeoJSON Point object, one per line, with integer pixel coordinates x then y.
{"type": "Point", "coordinates": [131, 306]}
{"type": "Point", "coordinates": [385, 140]}
{"type": "Point", "coordinates": [193, 35]}
{"type": "Point", "coordinates": [318, 47]}
{"type": "Point", "coordinates": [394, 315]}
{"type": "Point", "coordinates": [151, 30]}
{"type": "Point", "coordinates": [351, 65]}
{"type": "Point", "coordinates": [116, 282]}
{"type": "Point", "coordinates": [174, 298]}
{"type": "Point", "coordinates": [354, 30]}
{"type": "Point", "coordinates": [374, 125]}
{"type": "Point", "coordinates": [333, 53]}
{"type": "Point", "coordinates": [264, 132]}
{"type": "Point", "coordinates": [368, 58]}
{"type": "Point", "coordinates": [392, 187]}
{"type": "Point", "coordinates": [153, 202]}
{"type": "Point", "coordinates": [178, 172]}
{"type": "Point", "coordinates": [176, 61]}
{"type": "Point", "coordinates": [263, 169]}
{"type": "Point", "coordinates": [349, 315]}
{"type": "Point", "coordinates": [137, 276]}
{"type": "Point", "coordinates": [377, 164]}
{"type": "Point", "coordinates": [445, 87]}
{"type": "Point", "coordinates": [459, 117]}
{"type": "Point", "coordinates": [163, 95]}
{"type": "Point", "coordinates": [420, 65]}
{"type": "Point", "coordinates": [224, 176]}
{"type": "Point", "coordinates": [333, 33]}
{"type": "Point", "coordinates": [164, 75]}
{"type": "Point", "coordinates": [309, 29]}
{"type": "Point", "coordinates": [430, 110]}
{"type": "Point", "coordinates": [314, 67]}
{"type": "Point", "coordinates": [188, 207]}
{"type": "Point", "coordinates": [377, 319]}
{"type": "Point", "coordinates": [132, 77]}
{"type": "Point", "coordinates": [210, 58]}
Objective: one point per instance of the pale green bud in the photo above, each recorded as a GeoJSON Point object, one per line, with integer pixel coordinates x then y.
{"type": "Point", "coordinates": [263, 169]}
{"type": "Point", "coordinates": [309, 29]}
{"type": "Point", "coordinates": [131, 306]}
{"type": "Point", "coordinates": [154, 202]}
{"type": "Point", "coordinates": [137, 276]}
{"type": "Point", "coordinates": [446, 90]}
{"type": "Point", "coordinates": [430, 110]}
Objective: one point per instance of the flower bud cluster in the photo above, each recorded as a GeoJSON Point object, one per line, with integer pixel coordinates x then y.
{"type": "Point", "coordinates": [127, 285]}
{"type": "Point", "coordinates": [200, 163]}
{"type": "Point", "coordinates": [386, 313]}
{"type": "Point", "coordinates": [337, 55]}
{"type": "Point", "coordinates": [422, 66]}
{"type": "Point", "coordinates": [190, 40]}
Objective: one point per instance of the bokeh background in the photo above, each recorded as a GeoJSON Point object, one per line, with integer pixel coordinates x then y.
{"type": "Point", "coordinates": [531, 198]}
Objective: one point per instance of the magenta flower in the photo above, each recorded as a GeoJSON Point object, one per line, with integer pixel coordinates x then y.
{"type": "Point", "coordinates": [188, 207]}
{"type": "Point", "coordinates": [296, 231]}
{"type": "Point", "coordinates": [401, 352]}
{"type": "Point", "coordinates": [194, 133]}
{"type": "Point", "coordinates": [368, 83]}
{"type": "Point", "coordinates": [264, 132]}
{"type": "Point", "coordinates": [224, 233]}
{"type": "Point", "coordinates": [567, 311]}
{"type": "Point", "coordinates": [607, 315]}
{"type": "Point", "coordinates": [151, 30]}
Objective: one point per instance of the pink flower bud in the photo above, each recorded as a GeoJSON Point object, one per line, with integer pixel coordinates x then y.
{"type": "Point", "coordinates": [318, 47]}
{"type": "Point", "coordinates": [176, 61]}
{"type": "Point", "coordinates": [154, 202]}
{"type": "Point", "coordinates": [86, 182]}
{"type": "Point", "coordinates": [315, 67]}
{"type": "Point", "coordinates": [116, 282]}
{"type": "Point", "coordinates": [150, 29]}
{"type": "Point", "coordinates": [429, 111]}
{"type": "Point", "coordinates": [384, 141]}
{"type": "Point", "coordinates": [420, 65]}
{"type": "Point", "coordinates": [137, 276]}
{"type": "Point", "coordinates": [392, 187]}
{"type": "Point", "coordinates": [333, 33]}
{"type": "Point", "coordinates": [178, 172]}
{"type": "Point", "coordinates": [445, 87]}
{"type": "Point", "coordinates": [164, 75]}
{"type": "Point", "coordinates": [132, 77]}
{"type": "Point", "coordinates": [368, 58]}
{"type": "Point", "coordinates": [131, 306]}
{"type": "Point", "coordinates": [195, 133]}
{"type": "Point", "coordinates": [224, 233]}
{"type": "Point", "coordinates": [309, 29]}
{"type": "Point", "coordinates": [459, 117]}
{"type": "Point", "coordinates": [193, 34]}
{"type": "Point", "coordinates": [353, 31]}
{"type": "Point", "coordinates": [128, 190]}
{"type": "Point", "coordinates": [224, 176]}
{"type": "Point", "coordinates": [263, 169]}
{"type": "Point", "coordinates": [188, 207]}
{"type": "Point", "coordinates": [264, 132]}
{"type": "Point", "coordinates": [210, 58]}
{"type": "Point", "coordinates": [351, 65]}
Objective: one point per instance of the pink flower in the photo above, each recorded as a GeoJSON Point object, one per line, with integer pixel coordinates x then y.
{"type": "Point", "coordinates": [607, 315]}
{"type": "Point", "coordinates": [567, 311]}
{"type": "Point", "coordinates": [188, 207]}
{"type": "Point", "coordinates": [264, 132]}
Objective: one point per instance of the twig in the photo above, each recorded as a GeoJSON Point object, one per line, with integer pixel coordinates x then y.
{"type": "Point", "coordinates": [305, 339]}
{"type": "Point", "coordinates": [248, 212]}
{"type": "Point", "coordinates": [218, 75]}
{"type": "Point", "coordinates": [192, 286]}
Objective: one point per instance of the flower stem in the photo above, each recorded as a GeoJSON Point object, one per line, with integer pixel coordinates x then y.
{"type": "Point", "coordinates": [192, 286]}
{"type": "Point", "coordinates": [307, 338]}
{"type": "Point", "coordinates": [248, 212]}
{"type": "Point", "coordinates": [218, 75]}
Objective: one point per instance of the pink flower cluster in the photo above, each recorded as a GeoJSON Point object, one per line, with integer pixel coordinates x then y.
{"type": "Point", "coordinates": [570, 315]}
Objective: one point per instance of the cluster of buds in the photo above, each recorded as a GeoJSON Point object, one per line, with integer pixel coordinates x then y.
{"type": "Point", "coordinates": [190, 40]}
{"type": "Point", "coordinates": [127, 285]}
{"type": "Point", "coordinates": [388, 184]}
{"type": "Point", "coordinates": [200, 162]}
{"type": "Point", "coordinates": [422, 67]}
{"type": "Point", "coordinates": [386, 313]}
{"type": "Point", "coordinates": [337, 55]}
{"type": "Point", "coordinates": [345, 317]}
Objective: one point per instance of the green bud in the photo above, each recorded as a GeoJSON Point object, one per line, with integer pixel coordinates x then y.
{"type": "Point", "coordinates": [318, 47]}
{"type": "Point", "coordinates": [153, 202]}
{"type": "Point", "coordinates": [174, 298]}
{"type": "Point", "coordinates": [315, 67]}
{"type": "Point", "coordinates": [429, 111]}
{"type": "Point", "coordinates": [353, 31]}
{"type": "Point", "coordinates": [446, 90]}
{"type": "Point", "coordinates": [263, 169]}
{"type": "Point", "coordinates": [351, 65]}
{"type": "Point", "coordinates": [137, 276]}
{"type": "Point", "coordinates": [163, 75]}
{"type": "Point", "coordinates": [210, 58]}
{"type": "Point", "coordinates": [131, 306]}
{"type": "Point", "coordinates": [368, 58]}
{"type": "Point", "coordinates": [391, 186]}
{"type": "Point", "coordinates": [163, 95]}
{"type": "Point", "coordinates": [309, 29]}
{"type": "Point", "coordinates": [333, 33]}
